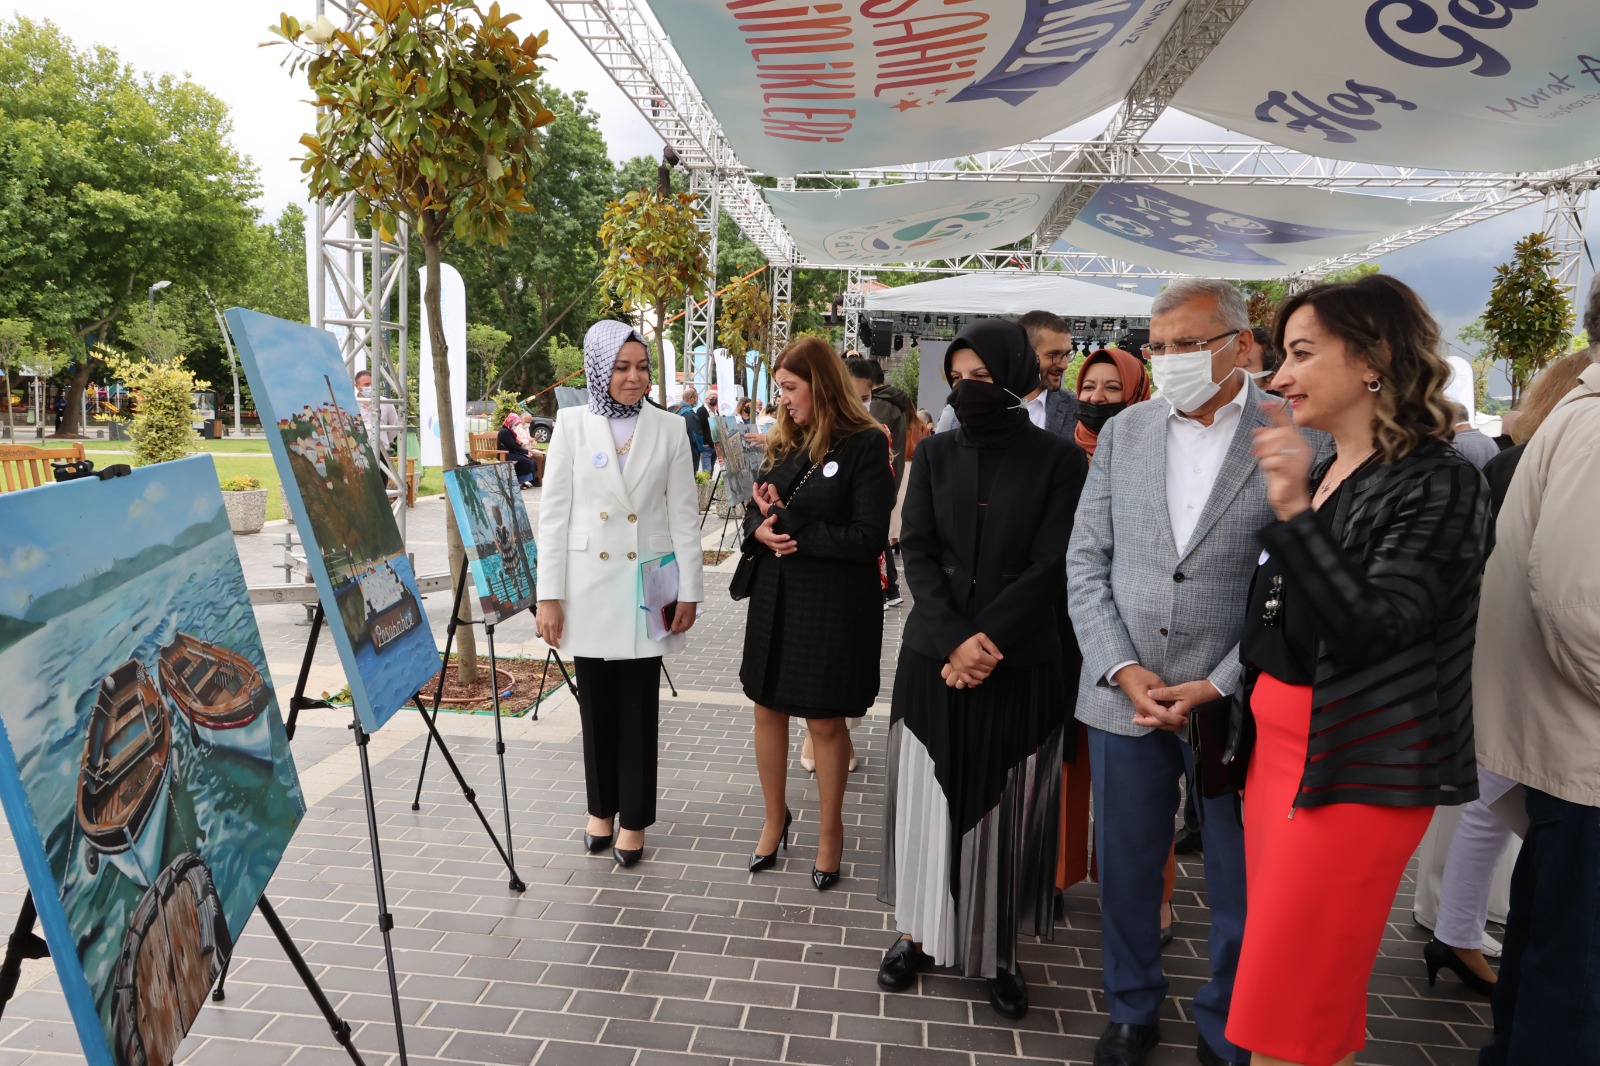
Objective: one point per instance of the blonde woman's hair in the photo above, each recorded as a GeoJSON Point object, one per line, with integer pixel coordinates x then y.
{"type": "Point", "coordinates": [1554, 382]}
{"type": "Point", "coordinates": [1386, 325]}
{"type": "Point", "coordinates": [836, 410]}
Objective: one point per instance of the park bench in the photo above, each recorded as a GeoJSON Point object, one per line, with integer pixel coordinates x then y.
{"type": "Point", "coordinates": [26, 466]}
{"type": "Point", "coordinates": [481, 447]}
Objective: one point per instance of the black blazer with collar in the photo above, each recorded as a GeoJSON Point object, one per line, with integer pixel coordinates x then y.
{"type": "Point", "coordinates": [1013, 586]}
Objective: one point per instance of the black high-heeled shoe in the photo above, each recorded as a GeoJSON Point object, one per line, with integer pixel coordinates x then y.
{"type": "Point", "coordinates": [758, 861]}
{"type": "Point", "coordinates": [593, 843]}
{"type": "Point", "coordinates": [824, 879]}
{"type": "Point", "coordinates": [626, 858]}
{"type": "Point", "coordinates": [1441, 956]}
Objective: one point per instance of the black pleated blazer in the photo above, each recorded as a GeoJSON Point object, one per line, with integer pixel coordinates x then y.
{"type": "Point", "coordinates": [1393, 594]}
{"type": "Point", "coordinates": [1012, 585]}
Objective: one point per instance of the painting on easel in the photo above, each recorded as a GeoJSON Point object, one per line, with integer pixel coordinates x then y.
{"type": "Point", "coordinates": [335, 487]}
{"type": "Point", "coordinates": [497, 535]}
{"type": "Point", "coordinates": [144, 768]}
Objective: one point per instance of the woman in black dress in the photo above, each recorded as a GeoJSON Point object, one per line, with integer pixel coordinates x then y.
{"type": "Point", "coordinates": [815, 625]}
{"type": "Point", "coordinates": [980, 707]}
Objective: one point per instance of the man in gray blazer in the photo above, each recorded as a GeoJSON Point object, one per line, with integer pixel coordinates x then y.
{"type": "Point", "coordinates": [1159, 566]}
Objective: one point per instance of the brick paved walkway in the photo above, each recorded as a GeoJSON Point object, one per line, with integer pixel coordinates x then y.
{"type": "Point", "coordinates": [684, 960]}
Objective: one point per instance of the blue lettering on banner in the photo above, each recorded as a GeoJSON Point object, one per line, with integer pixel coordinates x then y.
{"type": "Point", "coordinates": [1419, 21]}
{"type": "Point", "coordinates": [1057, 39]}
{"type": "Point", "coordinates": [1351, 110]}
{"type": "Point", "coordinates": [1160, 219]}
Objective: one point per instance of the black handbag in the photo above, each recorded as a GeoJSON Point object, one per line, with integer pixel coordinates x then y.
{"type": "Point", "coordinates": [744, 575]}
{"type": "Point", "coordinates": [1221, 757]}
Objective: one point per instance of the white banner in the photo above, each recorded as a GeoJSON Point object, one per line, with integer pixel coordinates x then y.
{"type": "Point", "coordinates": [805, 84]}
{"type": "Point", "coordinates": [1236, 231]}
{"type": "Point", "coordinates": [911, 223]}
{"type": "Point", "coordinates": [453, 309]}
{"type": "Point", "coordinates": [1498, 85]}
{"type": "Point", "coordinates": [728, 384]}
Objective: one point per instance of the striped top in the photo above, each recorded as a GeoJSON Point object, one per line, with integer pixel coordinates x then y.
{"type": "Point", "coordinates": [1392, 587]}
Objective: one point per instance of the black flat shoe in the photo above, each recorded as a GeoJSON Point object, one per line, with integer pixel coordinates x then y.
{"type": "Point", "coordinates": [900, 965]}
{"type": "Point", "coordinates": [758, 861]}
{"type": "Point", "coordinates": [594, 843]}
{"type": "Point", "coordinates": [1166, 935]}
{"type": "Point", "coordinates": [1208, 1057]}
{"type": "Point", "coordinates": [627, 858]}
{"type": "Point", "coordinates": [1008, 994]}
{"type": "Point", "coordinates": [1126, 1044]}
{"type": "Point", "coordinates": [1441, 956]}
{"type": "Point", "coordinates": [824, 879]}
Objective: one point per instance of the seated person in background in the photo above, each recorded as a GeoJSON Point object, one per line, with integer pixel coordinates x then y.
{"type": "Point", "coordinates": [528, 463]}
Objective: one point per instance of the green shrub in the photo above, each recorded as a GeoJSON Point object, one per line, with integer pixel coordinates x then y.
{"type": "Point", "coordinates": [506, 404]}
{"type": "Point", "coordinates": [241, 483]}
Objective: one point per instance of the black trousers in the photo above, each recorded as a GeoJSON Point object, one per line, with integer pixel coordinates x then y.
{"type": "Point", "coordinates": [893, 588]}
{"type": "Point", "coordinates": [1547, 1003]}
{"type": "Point", "coordinates": [619, 701]}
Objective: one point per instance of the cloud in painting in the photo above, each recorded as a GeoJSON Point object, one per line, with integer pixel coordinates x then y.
{"type": "Point", "coordinates": [23, 558]}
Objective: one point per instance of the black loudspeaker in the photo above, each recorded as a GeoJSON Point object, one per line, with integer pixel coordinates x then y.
{"type": "Point", "coordinates": [1135, 339]}
{"type": "Point", "coordinates": [882, 337]}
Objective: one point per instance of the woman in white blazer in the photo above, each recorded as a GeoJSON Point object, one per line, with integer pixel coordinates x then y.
{"type": "Point", "coordinates": [618, 492]}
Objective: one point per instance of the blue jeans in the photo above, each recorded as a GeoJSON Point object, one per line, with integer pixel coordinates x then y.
{"type": "Point", "coordinates": [1135, 788]}
{"type": "Point", "coordinates": [708, 459]}
{"type": "Point", "coordinates": [1547, 1003]}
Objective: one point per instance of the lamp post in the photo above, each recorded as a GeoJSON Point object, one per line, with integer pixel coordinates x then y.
{"type": "Point", "coordinates": [157, 287]}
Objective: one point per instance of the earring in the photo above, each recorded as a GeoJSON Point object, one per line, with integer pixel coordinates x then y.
{"type": "Point", "coordinates": [1375, 385]}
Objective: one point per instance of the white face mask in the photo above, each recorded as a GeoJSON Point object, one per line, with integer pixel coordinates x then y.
{"type": "Point", "coordinates": [1185, 378]}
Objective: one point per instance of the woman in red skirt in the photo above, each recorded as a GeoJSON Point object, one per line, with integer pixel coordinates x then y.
{"type": "Point", "coordinates": [1358, 645]}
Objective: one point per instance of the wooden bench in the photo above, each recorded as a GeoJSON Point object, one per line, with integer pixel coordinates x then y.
{"type": "Point", "coordinates": [481, 447]}
{"type": "Point", "coordinates": [26, 466]}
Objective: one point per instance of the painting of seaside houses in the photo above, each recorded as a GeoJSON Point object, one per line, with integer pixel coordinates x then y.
{"type": "Point", "coordinates": [337, 495]}
{"type": "Point", "coordinates": [144, 768]}
{"type": "Point", "coordinates": [497, 535]}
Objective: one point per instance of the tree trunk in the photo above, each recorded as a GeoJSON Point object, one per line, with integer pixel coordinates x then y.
{"type": "Point", "coordinates": [661, 355]}
{"type": "Point", "coordinates": [11, 409]}
{"type": "Point", "coordinates": [71, 423]}
{"type": "Point", "coordinates": [466, 642]}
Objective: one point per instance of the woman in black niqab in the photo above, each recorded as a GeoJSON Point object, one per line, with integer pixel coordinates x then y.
{"type": "Point", "coordinates": [978, 717]}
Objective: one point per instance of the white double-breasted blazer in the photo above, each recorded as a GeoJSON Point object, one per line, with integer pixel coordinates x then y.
{"type": "Point", "coordinates": [599, 521]}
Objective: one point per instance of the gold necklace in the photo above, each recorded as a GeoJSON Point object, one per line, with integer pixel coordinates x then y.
{"type": "Point", "coordinates": [1329, 483]}
{"type": "Point", "coordinates": [627, 445]}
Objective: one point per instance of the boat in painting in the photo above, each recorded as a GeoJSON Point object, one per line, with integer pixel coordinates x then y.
{"type": "Point", "coordinates": [125, 773]}
{"type": "Point", "coordinates": [391, 610]}
{"type": "Point", "coordinates": [175, 946]}
{"type": "Point", "coordinates": [221, 694]}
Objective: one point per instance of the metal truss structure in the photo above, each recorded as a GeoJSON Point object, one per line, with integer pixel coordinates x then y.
{"type": "Point", "coordinates": [1565, 204]}
{"type": "Point", "coordinates": [700, 316]}
{"type": "Point", "coordinates": [782, 309]}
{"type": "Point", "coordinates": [855, 302]}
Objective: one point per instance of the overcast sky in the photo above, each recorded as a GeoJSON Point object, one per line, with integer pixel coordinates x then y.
{"type": "Point", "coordinates": [216, 45]}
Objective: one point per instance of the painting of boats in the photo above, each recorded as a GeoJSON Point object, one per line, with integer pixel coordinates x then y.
{"type": "Point", "coordinates": [338, 493]}
{"type": "Point", "coordinates": [220, 693]}
{"type": "Point", "coordinates": [122, 783]}
{"type": "Point", "coordinates": [179, 921]}
{"type": "Point", "coordinates": [144, 771]}
{"type": "Point", "coordinates": [497, 535]}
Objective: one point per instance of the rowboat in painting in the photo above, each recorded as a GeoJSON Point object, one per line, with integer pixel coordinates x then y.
{"type": "Point", "coordinates": [176, 945]}
{"type": "Point", "coordinates": [221, 694]}
{"type": "Point", "coordinates": [122, 786]}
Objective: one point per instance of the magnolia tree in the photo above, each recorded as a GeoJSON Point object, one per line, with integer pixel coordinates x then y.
{"type": "Point", "coordinates": [655, 256]}
{"type": "Point", "coordinates": [428, 114]}
{"type": "Point", "coordinates": [1528, 319]}
{"type": "Point", "coordinates": [744, 325]}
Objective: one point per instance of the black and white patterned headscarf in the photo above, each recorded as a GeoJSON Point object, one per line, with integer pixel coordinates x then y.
{"type": "Point", "coordinates": [601, 346]}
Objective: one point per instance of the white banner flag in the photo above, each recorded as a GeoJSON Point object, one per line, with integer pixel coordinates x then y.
{"type": "Point", "coordinates": [453, 309]}
{"type": "Point", "coordinates": [1497, 85]}
{"type": "Point", "coordinates": [805, 84]}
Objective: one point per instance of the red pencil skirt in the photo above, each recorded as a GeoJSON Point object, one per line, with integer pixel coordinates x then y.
{"type": "Point", "coordinates": [1319, 886]}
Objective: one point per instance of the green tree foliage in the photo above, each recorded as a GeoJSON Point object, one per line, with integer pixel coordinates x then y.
{"type": "Point", "coordinates": [162, 426]}
{"type": "Point", "coordinates": [744, 326]}
{"type": "Point", "coordinates": [485, 346]}
{"type": "Point", "coordinates": [109, 181]}
{"type": "Point", "coordinates": [544, 277]}
{"type": "Point", "coordinates": [1528, 318]}
{"type": "Point", "coordinates": [655, 255]}
{"type": "Point", "coordinates": [429, 115]}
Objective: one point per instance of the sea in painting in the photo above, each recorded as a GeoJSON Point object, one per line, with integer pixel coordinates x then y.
{"type": "Point", "coordinates": [336, 492]}
{"type": "Point", "coordinates": [498, 537]}
{"type": "Point", "coordinates": [144, 770]}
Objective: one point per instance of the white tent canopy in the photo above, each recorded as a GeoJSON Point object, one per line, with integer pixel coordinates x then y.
{"type": "Point", "coordinates": [1010, 294]}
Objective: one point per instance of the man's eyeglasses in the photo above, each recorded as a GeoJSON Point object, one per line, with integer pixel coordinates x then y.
{"type": "Point", "coordinates": [1179, 347]}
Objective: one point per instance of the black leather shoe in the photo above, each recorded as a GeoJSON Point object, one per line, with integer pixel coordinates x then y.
{"type": "Point", "coordinates": [824, 879]}
{"type": "Point", "coordinates": [1166, 935]}
{"type": "Point", "coordinates": [900, 965]}
{"type": "Point", "coordinates": [627, 858]}
{"type": "Point", "coordinates": [1203, 1052]}
{"type": "Point", "coordinates": [1189, 843]}
{"type": "Point", "coordinates": [594, 843]}
{"type": "Point", "coordinates": [758, 861]}
{"type": "Point", "coordinates": [1126, 1044]}
{"type": "Point", "coordinates": [1008, 994]}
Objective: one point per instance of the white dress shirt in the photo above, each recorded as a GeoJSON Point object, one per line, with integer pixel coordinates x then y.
{"type": "Point", "coordinates": [1035, 407]}
{"type": "Point", "coordinates": [1194, 459]}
